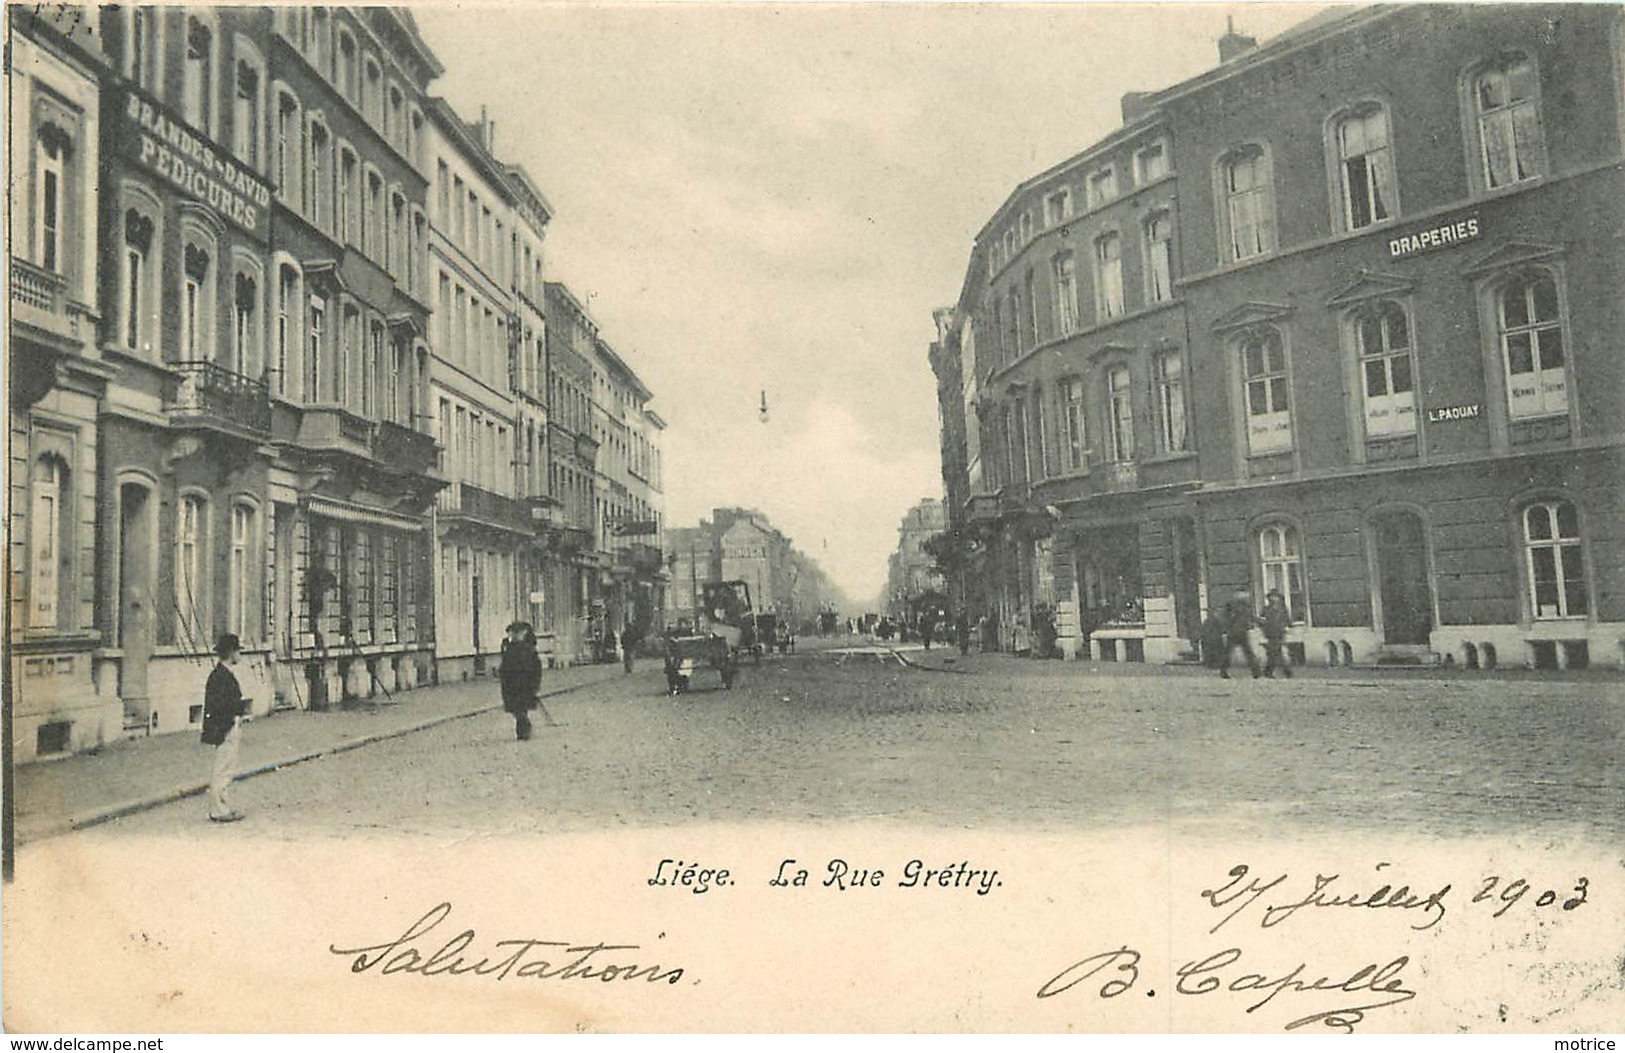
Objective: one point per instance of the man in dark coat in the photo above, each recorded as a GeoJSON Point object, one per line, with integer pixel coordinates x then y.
{"type": "Point", "coordinates": [521, 676]}
{"type": "Point", "coordinates": [630, 638]}
{"type": "Point", "coordinates": [1274, 622]}
{"type": "Point", "coordinates": [224, 712]}
{"type": "Point", "coordinates": [1238, 622]}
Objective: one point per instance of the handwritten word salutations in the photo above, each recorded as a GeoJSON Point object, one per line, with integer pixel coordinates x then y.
{"type": "Point", "coordinates": [523, 958]}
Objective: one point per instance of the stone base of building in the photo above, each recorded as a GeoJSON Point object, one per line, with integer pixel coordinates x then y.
{"type": "Point", "coordinates": [57, 708]}
{"type": "Point", "coordinates": [454, 669]}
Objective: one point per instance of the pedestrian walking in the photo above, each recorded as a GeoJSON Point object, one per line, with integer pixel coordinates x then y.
{"type": "Point", "coordinates": [928, 627]}
{"type": "Point", "coordinates": [1238, 623]}
{"type": "Point", "coordinates": [1274, 622]}
{"type": "Point", "coordinates": [521, 676]}
{"type": "Point", "coordinates": [962, 631]}
{"type": "Point", "coordinates": [630, 638]}
{"type": "Point", "coordinates": [224, 713]}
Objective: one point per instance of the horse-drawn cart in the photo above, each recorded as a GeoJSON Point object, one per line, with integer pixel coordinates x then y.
{"type": "Point", "coordinates": [721, 632]}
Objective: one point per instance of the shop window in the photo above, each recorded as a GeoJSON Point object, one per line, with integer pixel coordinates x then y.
{"type": "Point", "coordinates": [1269, 416]}
{"type": "Point", "coordinates": [1383, 343]}
{"type": "Point", "coordinates": [1507, 122]}
{"type": "Point", "coordinates": [1280, 566]}
{"type": "Point", "coordinates": [1365, 167]}
{"type": "Point", "coordinates": [1248, 190]}
{"type": "Point", "coordinates": [1530, 329]}
{"type": "Point", "coordinates": [1554, 560]}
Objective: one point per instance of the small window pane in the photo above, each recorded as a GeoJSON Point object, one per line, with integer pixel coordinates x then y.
{"type": "Point", "coordinates": [1538, 522]}
{"type": "Point", "coordinates": [1551, 348]}
{"type": "Point", "coordinates": [1515, 306]}
{"type": "Point", "coordinates": [1545, 297]}
{"type": "Point", "coordinates": [1519, 356]}
{"type": "Point", "coordinates": [1568, 521]}
{"type": "Point", "coordinates": [1402, 373]}
{"type": "Point", "coordinates": [1376, 379]}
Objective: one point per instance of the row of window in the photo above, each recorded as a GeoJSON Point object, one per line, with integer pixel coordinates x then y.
{"type": "Point", "coordinates": [1552, 562]}
{"type": "Point", "coordinates": [468, 220]}
{"type": "Point", "coordinates": [1529, 348]}
{"type": "Point", "coordinates": [1100, 187]}
{"type": "Point", "coordinates": [471, 333]}
{"type": "Point", "coordinates": [475, 586]}
{"type": "Point", "coordinates": [473, 447]}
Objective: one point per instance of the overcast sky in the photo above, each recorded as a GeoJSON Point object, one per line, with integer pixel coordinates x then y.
{"type": "Point", "coordinates": [754, 197]}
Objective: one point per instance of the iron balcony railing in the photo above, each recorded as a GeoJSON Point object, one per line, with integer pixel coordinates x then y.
{"type": "Point", "coordinates": [212, 393]}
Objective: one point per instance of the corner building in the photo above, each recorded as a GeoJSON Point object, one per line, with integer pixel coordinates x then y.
{"type": "Point", "coordinates": [1402, 297]}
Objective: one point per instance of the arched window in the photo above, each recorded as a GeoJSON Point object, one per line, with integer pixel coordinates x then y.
{"type": "Point", "coordinates": [245, 325]}
{"type": "Point", "coordinates": [1248, 190]}
{"type": "Point", "coordinates": [1530, 329]}
{"type": "Point", "coordinates": [1108, 276]}
{"type": "Point", "coordinates": [1264, 376]}
{"type": "Point", "coordinates": [1065, 271]}
{"type": "Point", "coordinates": [289, 311]}
{"type": "Point", "coordinates": [243, 570]}
{"type": "Point", "coordinates": [50, 543]}
{"type": "Point", "coordinates": [287, 145]}
{"type": "Point", "coordinates": [197, 303]}
{"type": "Point", "coordinates": [191, 591]}
{"type": "Point", "coordinates": [1554, 558]}
{"type": "Point", "coordinates": [139, 267]}
{"type": "Point", "coordinates": [1507, 120]}
{"type": "Point", "coordinates": [1383, 343]}
{"type": "Point", "coordinates": [319, 172]}
{"type": "Point", "coordinates": [1120, 412]}
{"type": "Point", "coordinates": [349, 77]}
{"type": "Point", "coordinates": [347, 199]}
{"type": "Point", "coordinates": [1073, 399]}
{"type": "Point", "coordinates": [1280, 566]}
{"type": "Point", "coordinates": [197, 82]}
{"type": "Point", "coordinates": [1365, 166]}
{"type": "Point", "coordinates": [247, 122]}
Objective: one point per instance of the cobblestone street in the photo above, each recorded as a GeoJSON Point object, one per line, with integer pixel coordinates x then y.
{"type": "Point", "coordinates": [984, 741]}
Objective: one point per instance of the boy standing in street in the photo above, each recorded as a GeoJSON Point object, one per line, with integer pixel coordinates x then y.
{"type": "Point", "coordinates": [1276, 619]}
{"type": "Point", "coordinates": [224, 713]}
{"type": "Point", "coordinates": [1238, 622]}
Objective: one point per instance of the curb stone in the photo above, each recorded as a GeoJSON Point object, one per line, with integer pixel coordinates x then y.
{"type": "Point", "coordinates": [180, 793]}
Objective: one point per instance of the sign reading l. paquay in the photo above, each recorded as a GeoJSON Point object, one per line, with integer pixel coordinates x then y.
{"type": "Point", "coordinates": [1444, 414]}
{"type": "Point", "coordinates": [188, 162]}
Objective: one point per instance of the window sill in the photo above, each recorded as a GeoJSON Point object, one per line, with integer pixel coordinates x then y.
{"type": "Point", "coordinates": [1170, 457]}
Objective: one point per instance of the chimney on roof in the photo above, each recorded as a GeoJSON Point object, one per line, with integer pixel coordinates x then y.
{"type": "Point", "coordinates": [1136, 104]}
{"type": "Point", "coordinates": [1232, 44]}
{"type": "Point", "coordinates": [488, 131]}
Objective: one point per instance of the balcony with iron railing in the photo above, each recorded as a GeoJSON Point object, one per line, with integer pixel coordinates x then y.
{"type": "Point", "coordinates": [405, 449]}
{"type": "Point", "coordinates": [40, 301]}
{"type": "Point", "coordinates": [335, 429]}
{"type": "Point", "coordinates": [465, 501]}
{"type": "Point", "coordinates": [641, 557]}
{"type": "Point", "coordinates": [209, 395]}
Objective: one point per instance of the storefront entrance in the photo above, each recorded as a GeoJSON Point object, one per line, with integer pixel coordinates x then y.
{"type": "Point", "coordinates": [1404, 594]}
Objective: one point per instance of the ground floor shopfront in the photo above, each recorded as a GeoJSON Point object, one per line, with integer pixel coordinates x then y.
{"type": "Point", "coordinates": [1512, 561]}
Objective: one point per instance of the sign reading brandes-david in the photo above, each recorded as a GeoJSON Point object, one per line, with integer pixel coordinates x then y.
{"type": "Point", "coordinates": [165, 144]}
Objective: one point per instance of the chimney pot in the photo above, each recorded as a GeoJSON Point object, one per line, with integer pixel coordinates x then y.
{"type": "Point", "coordinates": [1136, 104]}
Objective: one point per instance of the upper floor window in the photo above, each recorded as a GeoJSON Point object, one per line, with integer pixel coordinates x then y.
{"type": "Point", "coordinates": [1109, 275]}
{"type": "Point", "coordinates": [1170, 369]}
{"type": "Point", "coordinates": [138, 306]}
{"type": "Point", "coordinates": [1013, 323]}
{"type": "Point", "coordinates": [1508, 119]}
{"type": "Point", "coordinates": [245, 313]}
{"type": "Point", "coordinates": [349, 75]}
{"type": "Point", "coordinates": [1120, 413]}
{"type": "Point", "coordinates": [1249, 199]}
{"type": "Point", "coordinates": [1065, 270]}
{"type": "Point", "coordinates": [1554, 557]}
{"type": "Point", "coordinates": [287, 147]}
{"type": "Point", "coordinates": [197, 307]}
{"type": "Point", "coordinates": [142, 45]}
{"type": "Point", "coordinates": [1150, 163]}
{"type": "Point", "coordinates": [197, 82]}
{"type": "Point", "coordinates": [1159, 257]}
{"type": "Point", "coordinates": [1030, 320]}
{"type": "Point", "coordinates": [318, 171]}
{"type": "Point", "coordinates": [1058, 207]}
{"type": "Point", "coordinates": [287, 327]}
{"type": "Point", "coordinates": [1026, 227]}
{"type": "Point", "coordinates": [317, 43]}
{"type": "Point", "coordinates": [246, 120]}
{"type": "Point", "coordinates": [1365, 167]}
{"type": "Point", "coordinates": [1382, 341]}
{"type": "Point", "coordinates": [372, 91]}
{"type": "Point", "coordinates": [1072, 395]}
{"type": "Point", "coordinates": [1269, 415]}
{"type": "Point", "coordinates": [347, 200]}
{"type": "Point", "coordinates": [1531, 337]}
{"type": "Point", "coordinates": [1102, 186]}
{"type": "Point", "coordinates": [51, 154]}
{"type": "Point", "coordinates": [315, 345]}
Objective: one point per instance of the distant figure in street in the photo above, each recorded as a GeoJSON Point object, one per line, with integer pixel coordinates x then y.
{"type": "Point", "coordinates": [1275, 620]}
{"type": "Point", "coordinates": [629, 645]}
{"type": "Point", "coordinates": [928, 627]}
{"type": "Point", "coordinates": [521, 676]}
{"type": "Point", "coordinates": [224, 713]}
{"type": "Point", "coordinates": [962, 631]}
{"type": "Point", "coordinates": [1238, 622]}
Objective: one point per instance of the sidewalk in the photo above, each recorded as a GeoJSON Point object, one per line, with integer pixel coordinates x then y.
{"type": "Point", "coordinates": [948, 659]}
{"type": "Point", "coordinates": [132, 775]}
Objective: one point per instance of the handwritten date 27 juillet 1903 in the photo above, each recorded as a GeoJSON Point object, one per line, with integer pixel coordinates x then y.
{"type": "Point", "coordinates": [1370, 986]}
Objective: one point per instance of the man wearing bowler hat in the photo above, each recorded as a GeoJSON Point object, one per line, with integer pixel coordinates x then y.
{"type": "Point", "coordinates": [224, 713]}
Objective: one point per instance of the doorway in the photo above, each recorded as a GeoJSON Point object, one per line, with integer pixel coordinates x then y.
{"type": "Point", "coordinates": [1404, 594]}
{"type": "Point", "coordinates": [137, 616]}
